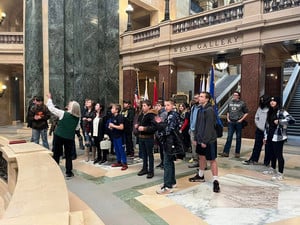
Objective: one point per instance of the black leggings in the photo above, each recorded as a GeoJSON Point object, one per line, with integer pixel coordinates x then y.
{"type": "Point", "coordinates": [277, 154]}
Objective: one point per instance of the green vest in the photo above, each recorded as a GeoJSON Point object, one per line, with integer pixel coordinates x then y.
{"type": "Point", "coordinates": [66, 126]}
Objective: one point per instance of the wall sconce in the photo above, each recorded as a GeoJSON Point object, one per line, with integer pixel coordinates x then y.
{"type": "Point", "coordinates": [296, 55]}
{"type": "Point", "coordinates": [221, 63]}
{"type": "Point", "coordinates": [2, 92]}
{"type": "Point", "coordinates": [129, 11]}
{"type": "Point", "coordinates": [2, 18]}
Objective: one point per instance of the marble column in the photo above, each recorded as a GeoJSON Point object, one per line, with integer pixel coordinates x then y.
{"type": "Point", "coordinates": [129, 83]}
{"type": "Point", "coordinates": [252, 87]}
{"type": "Point", "coordinates": [168, 76]}
{"type": "Point", "coordinates": [84, 50]}
{"type": "Point", "coordinates": [33, 50]}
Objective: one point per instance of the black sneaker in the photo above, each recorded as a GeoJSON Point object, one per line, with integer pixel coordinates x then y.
{"type": "Point", "coordinates": [69, 175]}
{"type": "Point", "coordinates": [216, 187]}
{"type": "Point", "coordinates": [150, 175]}
{"type": "Point", "coordinates": [247, 162]}
{"type": "Point", "coordinates": [142, 172]}
{"type": "Point", "coordinates": [196, 178]}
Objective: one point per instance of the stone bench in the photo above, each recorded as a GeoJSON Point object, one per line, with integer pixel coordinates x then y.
{"type": "Point", "coordinates": [37, 190]}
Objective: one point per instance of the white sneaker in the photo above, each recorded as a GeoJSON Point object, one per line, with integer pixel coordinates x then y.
{"type": "Point", "coordinates": [191, 160]}
{"type": "Point", "coordinates": [269, 171]}
{"type": "Point", "coordinates": [278, 177]}
{"type": "Point", "coordinates": [173, 185]}
{"type": "Point", "coordinates": [164, 191]}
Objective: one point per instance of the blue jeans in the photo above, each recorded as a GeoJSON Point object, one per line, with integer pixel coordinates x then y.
{"type": "Point", "coordinates": [169, 170]}
{"type": "Point", "coordinates": [36, 134]}
{"type": "Point", "coordinates": [234, 127]}
{"type": "Point", "coordinates": [146, 146]}
{"type": "Point", "coordinates": [120, 150]}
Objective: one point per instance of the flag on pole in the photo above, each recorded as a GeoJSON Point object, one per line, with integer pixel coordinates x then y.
{"type": "Point", "coordinates": [163, 91]}
{"type": "Point", "coordinates": [212, 93]}
{"type": "Point", "coordinates": [203, 83]}
{"type": "Point", "coordinates": [146, 97]}
{"type": "Point", "coordinates": [136, 93]}
{"type": "Point", "coordinates": [155, 97]}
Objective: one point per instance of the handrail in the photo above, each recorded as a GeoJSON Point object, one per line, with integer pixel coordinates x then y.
{"type": "Point", "coordinates": [291, 83]}
{"type": "Point", "coordinates": [228, 88]}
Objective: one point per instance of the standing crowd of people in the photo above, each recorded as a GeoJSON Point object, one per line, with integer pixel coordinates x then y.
{"type": "Point", "coordinates": [174, 130]}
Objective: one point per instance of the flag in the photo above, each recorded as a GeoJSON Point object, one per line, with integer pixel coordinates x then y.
{"type": "Point", "coordinates": [212, 93]}
{"type": "Point", "coordinates": [155, 97]}
{"type": "Point", "coordinates": [203, 83]}
{"type": "Point", "coordinates": [163, 91]}
{"type": "Point", "coordinates": [146, 97]}
{"type": "Point", "coordinates": [136, 94]}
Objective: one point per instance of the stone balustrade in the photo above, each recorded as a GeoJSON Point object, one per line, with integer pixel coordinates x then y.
{"type": "Point", "coordinates": [208, 18]}
{"type": "Point", "coordinates": [11, 38]}
{"type": "Point", "coordinates": [275, 5]}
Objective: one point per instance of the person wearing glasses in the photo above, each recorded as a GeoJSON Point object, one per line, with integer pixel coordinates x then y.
{"type": "Point", "coordinates": [236, 113]}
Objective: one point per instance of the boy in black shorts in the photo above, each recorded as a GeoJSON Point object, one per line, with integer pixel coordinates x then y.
{"type": "Point", "coordinates": [206, 140]}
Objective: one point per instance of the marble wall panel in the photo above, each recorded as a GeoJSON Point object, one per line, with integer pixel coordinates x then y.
{"type": "Point", "coordinates": [85, 50]}
{"type": "Point", "coordinates": [33, 49]}
{"type": "Point", "coordinates": [56, 51]}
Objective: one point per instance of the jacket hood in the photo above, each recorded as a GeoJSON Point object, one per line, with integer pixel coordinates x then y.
{"type": "Point", "coordinates": [153, 111]}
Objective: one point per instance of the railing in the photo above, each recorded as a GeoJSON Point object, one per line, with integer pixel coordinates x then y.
{"type": "Point", "coordinates": [11, 38]}
{"type": "Point", "coordinates": [290, 85]}
{"type": "Point", "coordinates": [146, 35]}
{"type": "Point", "coordinates": [275, 5]}
{"type": "Point", "coordinates": [207, 19]}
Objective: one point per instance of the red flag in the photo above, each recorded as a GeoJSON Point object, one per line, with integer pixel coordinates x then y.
{"type": "Point", "coordinates": [155, 97]}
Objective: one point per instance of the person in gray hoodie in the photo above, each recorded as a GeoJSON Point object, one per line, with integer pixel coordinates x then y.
{"type": "Point", "coordinates": [260, 122]}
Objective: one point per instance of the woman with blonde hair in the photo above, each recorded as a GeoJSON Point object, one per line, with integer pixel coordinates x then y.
{"type": "Point", "coordinates": [64, 134]}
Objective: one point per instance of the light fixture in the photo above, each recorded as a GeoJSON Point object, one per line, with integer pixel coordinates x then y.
{"type": "Point", "coordinates": [296, 55]}
{"type": "Point", "coordinates": [129, 11]}
{"type": "Point", "coordinates": [221, 63]}
{"type": "Point", "coordinates": [2, 92]}
{"type": "Point", "coordinates": [2, 18]}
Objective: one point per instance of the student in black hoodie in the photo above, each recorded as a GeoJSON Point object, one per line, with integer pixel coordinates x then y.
{"type": "Point", "coordinates": [147, 127]}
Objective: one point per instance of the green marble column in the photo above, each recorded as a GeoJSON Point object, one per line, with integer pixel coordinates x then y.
{"type": "Point", "coordinates": [84, 50]}
{"type": "Point", "coordinates": [33, 49]}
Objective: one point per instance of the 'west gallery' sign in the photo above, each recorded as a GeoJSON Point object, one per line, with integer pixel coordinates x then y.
{"type": "Point", "coordinates": [202, 45]}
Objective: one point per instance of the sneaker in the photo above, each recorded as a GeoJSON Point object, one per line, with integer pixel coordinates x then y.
{"type": "Point", "coordinates": [164, 190]}
{"type": "Point", "coordinates": [103, 161]}
{"type": "Point", "coordinates": [142, 172]}
{"type": "Point", "coordinates": [191, 160]}
{"type": "Point", "coordinates": [124, 167]}
{"type": "Point", "coordinates": [247, 162]}
{"type": "Point", "coordinates": [216, 187]}
{"type": "Point", "coordinates": [116, 165]}
{"type": "Point", "coordinates": [173, 185]}
{"type": "Point", "coordinates": [269, 171]}
{"type": "Point", "coordinates": [196, 178]}
{"type": "Point", "coordinates": [159, 166]}
{"type": "Point", "coordinates": [69, 175]}
{"type": "Point", "coordinates": [223, 154]}
{"type": "Point", "coordinates": [150, 175]}
{"type": "Point", "coordinates": [237, 155]}
{"type": "Point", "coordinates": [278, 177]}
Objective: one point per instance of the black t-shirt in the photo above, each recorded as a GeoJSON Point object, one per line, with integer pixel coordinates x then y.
{"type": "Point", "coordinates": [117, 120]}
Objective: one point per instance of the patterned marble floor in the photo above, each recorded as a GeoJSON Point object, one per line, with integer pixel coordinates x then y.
{"type": "Point", "coordinates": [242, 201]}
